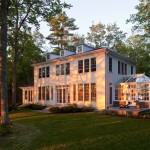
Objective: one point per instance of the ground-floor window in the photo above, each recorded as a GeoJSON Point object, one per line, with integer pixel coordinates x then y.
{"type": "Point", "coordinates": [80, 92]}
{"type": "Point", "coordinates": [110, 95]}
{"type": "Point", "coordinates": [74, 92]}
{"type": "Point", "coordinates": [28, 95]}
{"type": "Point", "coordinates": [84, 90]}
{"type": "Point", "coordinates": [93, 91]}
{"type": "Point", "coordinates": [63, 93]}
{"type": "Point", "coordinates": [45, 93]}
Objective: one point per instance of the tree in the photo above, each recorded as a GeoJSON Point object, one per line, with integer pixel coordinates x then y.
{"type": "Point", "coordinates": [105, 35]}
{"type": "Point", "coordinates": [21, 15]}
{"type": "Point", "coordinates": [3, 64]}
{"type": "Point", "coordinates": [61, 27]}
{"type": "Point", "coordinates": [97, 34]}
{"type": "Point", "coordinates": [141, 19]}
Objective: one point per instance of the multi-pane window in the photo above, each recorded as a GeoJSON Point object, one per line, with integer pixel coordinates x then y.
{"type": "Point", "coordinates": [74, 92]}
{"type": "Point", "coordinates": [80, 66]}
{"type": "Point", "coordinates": [47, 71]}
{"type": "Point", "coordinates": [47, 92]}
{"type": "Point", "coordinates": [40, 72]}
{"type": "Point", "coordinates": [67, 68]}
{"type": "Point", "coordinates": [29, 96]}
{"type": "Point", "coordinates": [80, 92]}
{"type": "Point", "coordinates": [62, 69]}
{"type": "Point", "coordinates": [93, 92]}
{"type": "Point", "coordinates": [110, 95]}
{"type": "Point", "coordinates": [119, 67]}
{"type": "Point", "coordinates": [125, 69]}
{"type": "Point", "coordinates": [51, 92]}
{"type": "Point", "coordinates": [131, 69]}
{"type": "Point", "coordinates": [86, 65]}
{"type": "Point", "coordinates": [110, 64]}
{"type": "Point", "coordinates": [39, 88]}
{"type": "Point", "coordinates": [57, 70]}
{"type": "Point", "coordinates": [43, 72]}
{"type": "Point", "coordinates": [68, 90]}
{"type": "Point", "coordinates": [122, 66]}
{"type": "Point", "coordinates": [86, 92]}
{"type": "Point", "coordinates": [93, 64]}
{"type": "Point", "coordinates": [43, 93]}
{"type": "Point", "coordinates": [26, 95]}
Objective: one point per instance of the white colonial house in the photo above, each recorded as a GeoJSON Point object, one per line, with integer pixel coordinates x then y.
{"type": "Point", "coordinates": [86, 77]}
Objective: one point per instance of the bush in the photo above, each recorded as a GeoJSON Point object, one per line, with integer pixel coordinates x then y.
{"type": "Point", "coordinates": [35, 107]}
{"type": "Point", "coordinates": [70, 109]}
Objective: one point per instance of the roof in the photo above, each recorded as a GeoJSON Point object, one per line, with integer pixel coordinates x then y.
{"type": "Point", "coordinates": [28, 85]}
{"type": "Point", "coordinates": [106, 50]}
{"type": "Point", "coordinates": [134, 78]}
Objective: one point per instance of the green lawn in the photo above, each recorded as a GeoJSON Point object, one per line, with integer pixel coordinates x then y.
{"type": "Point", "coordinates": [80, 131]}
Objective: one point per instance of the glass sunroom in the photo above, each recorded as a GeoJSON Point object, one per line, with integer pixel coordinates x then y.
{"type": "Point", "coordinates": [132, 88]}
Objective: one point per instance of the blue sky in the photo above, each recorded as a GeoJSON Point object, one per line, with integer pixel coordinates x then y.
{"type": "Point", "coordinates": [104, 11]}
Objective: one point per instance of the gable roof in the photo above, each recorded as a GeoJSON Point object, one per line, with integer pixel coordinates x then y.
{"type": "Point", "coordinates": [106, 50]}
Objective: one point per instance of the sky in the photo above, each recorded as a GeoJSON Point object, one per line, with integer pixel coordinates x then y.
{"type": "Point", "coordinates": [105, 11]}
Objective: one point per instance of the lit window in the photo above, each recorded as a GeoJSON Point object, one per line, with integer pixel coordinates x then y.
{"type": "Point", "coordinates": [80, 92]}
{"type": "Point", "coordinates": [93, 92]}
{"type": "Point", "coordinates": [86, 92]}
{"type": "Point", "coordinates": [80, 66]}
{"type": "Point", "coordinates": [86, 65]}
{"type": "Point", "coordinates": [93, 64]}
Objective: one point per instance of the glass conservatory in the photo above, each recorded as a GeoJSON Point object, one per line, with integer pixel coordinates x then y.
{"type": "Point", "coordinates": [133, 88]}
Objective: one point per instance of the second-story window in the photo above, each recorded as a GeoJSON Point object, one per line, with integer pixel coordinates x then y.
{"type": "Point", "coordinates": [62, 69]}
{"type": "Point", "coordinates": [40, 72]}
{"type": "Point", "coordinates": [93, 64]}
{"type": "Point", "coordinates": [118, 67]}
{"type": "Point", "coordinates": [110, 64]}
{"type": "Point", "coordinates": [131, 69]}
{"type": "Point", "coordinates": [67, 68]}
{"type": "Point", "coordinates": [47, 71]}
{"type": "Point", "coordinates": [43, 72]}
{"type": "Point", "coordinates": [86, 65]}
{"type": "Point", "coordinates": [122, 66]}
{"type": "Point", "coordinates": [80, 66]}
{"type": "Point", "coordinates": [125, 69]}
{"type": "Point", "coordinates": [57, 70]}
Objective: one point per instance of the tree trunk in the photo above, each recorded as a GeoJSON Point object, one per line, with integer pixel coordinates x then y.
{"type": "Point", "coordinates": [3, 65]}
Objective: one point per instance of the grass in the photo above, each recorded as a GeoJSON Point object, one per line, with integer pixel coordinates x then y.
{"type": "Point", "coordinates": [80, 131]}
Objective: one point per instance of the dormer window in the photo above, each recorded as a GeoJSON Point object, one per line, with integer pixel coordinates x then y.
{"type": "Point", "coordinates": [79, 49]}
{"type": "Point", "coordinates": [62, 53]}
{"type": "Point", "coordinates": [48, 57]}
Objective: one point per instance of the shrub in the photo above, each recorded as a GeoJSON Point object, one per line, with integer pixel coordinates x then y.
{"type": "Point", "coordinates": [35, 106]}
{"type": "Point", "coordinates": [71, 108]}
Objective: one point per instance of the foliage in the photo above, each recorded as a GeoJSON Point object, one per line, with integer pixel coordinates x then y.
{"type": "Point", "coordinates": [72, 108]}
{"type": "Point", "coordinates": [61, 27]}
{"type": "Point", "coordinates": [141, 18]}
{"type": "Point", "coordinates": [35, 106]}
{"type": "Point", "coordinates": [105, 35]}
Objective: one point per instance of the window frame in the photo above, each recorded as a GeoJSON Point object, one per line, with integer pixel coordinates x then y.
{"type": "Point", "coordinates": [80, 66]}
{"type": "Point", "coordinates": [93, 64]}
{"type": "Point", "coordinates": [86, 65]}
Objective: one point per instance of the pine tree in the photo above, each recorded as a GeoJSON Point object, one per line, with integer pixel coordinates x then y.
{"type": "Point", "coordinates": [61, 27]}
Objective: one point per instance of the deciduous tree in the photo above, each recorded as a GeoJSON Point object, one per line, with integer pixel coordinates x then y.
{"type": "Point", "coordinates": [3, 63]}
